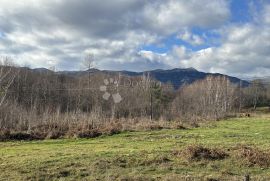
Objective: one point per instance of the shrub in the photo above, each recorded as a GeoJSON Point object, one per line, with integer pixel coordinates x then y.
{"type": "Point", "coordinates": [197, 153]}
{"type": "Point", "coordinates": [252, 156]}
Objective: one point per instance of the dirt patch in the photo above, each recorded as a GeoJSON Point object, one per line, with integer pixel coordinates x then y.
{"type": "Point", "coordinates": [252, 156]}
{"type": "Point", "coordinates": [197, 153]}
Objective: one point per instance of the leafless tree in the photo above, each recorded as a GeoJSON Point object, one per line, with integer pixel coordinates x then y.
{"type": "Point", "coordinates": [88, 64]}
{"type": "Point", "coordinates": [256, 93]}
{"type": "Point", "coordinates": [211, 98]}
{"type": "Point", "coordinates": [7, 76]}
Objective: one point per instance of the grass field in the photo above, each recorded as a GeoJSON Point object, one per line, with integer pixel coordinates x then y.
{"type": "Point", "coordinates": [141, 155]}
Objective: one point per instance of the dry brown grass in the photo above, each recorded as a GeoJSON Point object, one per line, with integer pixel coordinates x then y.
{"type": "Point", "coordinates": [158, 160]}
{"type": "Point", "coordinates": [197, 153]}
{"type": "Point", "coordinates": [64, 128]}
{"type": "Point", "coordinates": [252, 156]}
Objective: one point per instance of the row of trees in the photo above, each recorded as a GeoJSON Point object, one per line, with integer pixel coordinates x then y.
{"type": "Point", "coordinates": [30, 98]}
{"type": "Point", "coordinates": [212, 98]}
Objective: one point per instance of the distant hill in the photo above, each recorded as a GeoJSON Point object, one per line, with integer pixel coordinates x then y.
{"type": "Point", "coordinates": [177, 77]}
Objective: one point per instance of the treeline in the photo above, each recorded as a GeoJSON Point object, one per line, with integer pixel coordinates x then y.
{"type": "Point", "coordinates": [48, 103]}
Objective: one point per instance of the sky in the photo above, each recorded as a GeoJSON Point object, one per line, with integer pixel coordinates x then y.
{"type": "Point", "coordinates": [218, 36]}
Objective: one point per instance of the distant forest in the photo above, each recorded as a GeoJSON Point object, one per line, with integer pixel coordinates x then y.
{"type": "Point", "coordinates": [50, 104]}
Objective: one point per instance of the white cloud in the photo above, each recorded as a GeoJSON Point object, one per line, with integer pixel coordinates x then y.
{"type": "Point", "coordinates": [173, 15]}
{"type": "Point", "coordinates": [38, 32]}
{"type": "Point", "coordinates": [244, 52]}
{"type": "Point", "coordinates": [59, 32]}
{"type": "Point", "coordinates": [190, 38]}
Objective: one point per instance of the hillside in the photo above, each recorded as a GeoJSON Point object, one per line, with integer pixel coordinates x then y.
{"type": "Point", "coordinates": [177, 77]}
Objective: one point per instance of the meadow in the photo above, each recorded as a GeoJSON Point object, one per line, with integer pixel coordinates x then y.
{"type": "Point", "coordinates": [222, 150]}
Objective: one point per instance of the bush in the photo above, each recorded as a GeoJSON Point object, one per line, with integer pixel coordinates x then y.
{"type": "Point", "coordinates": [197, 153]}
{"type": "Point", "coordinates": [252, 156]}
{"type": "Point", "coordinates": [16, 136]}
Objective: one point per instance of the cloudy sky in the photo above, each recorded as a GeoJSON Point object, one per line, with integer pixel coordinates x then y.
{"type": "Point", "coordinates": [225, 36]}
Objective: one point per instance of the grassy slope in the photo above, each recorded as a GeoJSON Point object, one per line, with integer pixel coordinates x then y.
{"type": "Point", "coordinates": [140, 155]}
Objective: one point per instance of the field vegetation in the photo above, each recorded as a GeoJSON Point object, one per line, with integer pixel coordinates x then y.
{"type": "Point", "coordinates": [223, 150]}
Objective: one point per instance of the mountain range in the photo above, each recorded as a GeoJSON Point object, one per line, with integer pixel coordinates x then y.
{"type": "Point", "coordinates": [177, 77]}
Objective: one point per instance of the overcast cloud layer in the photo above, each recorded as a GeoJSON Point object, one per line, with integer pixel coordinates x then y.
{"type": "Point", "coordinates": [60, 33]}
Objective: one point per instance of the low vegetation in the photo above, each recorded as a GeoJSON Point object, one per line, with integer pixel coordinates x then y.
{"type": "Point", "coordinates": [223, 150]}
{"type": "Point", "coordinates": [253, 156]}
{"type": "Point", "coordinates": [197, 153]}
{"type": "Point", "coordinates": [105, 128]}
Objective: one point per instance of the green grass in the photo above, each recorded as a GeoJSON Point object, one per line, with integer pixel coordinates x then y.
{"type": "Point", "coordinates": [137, 155]}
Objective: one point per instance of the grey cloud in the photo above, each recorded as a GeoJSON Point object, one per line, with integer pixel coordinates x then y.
{"type": "Point", "coordinates": [39, 31]}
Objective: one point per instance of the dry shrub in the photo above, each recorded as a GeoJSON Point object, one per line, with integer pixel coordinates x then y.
{"type": "Point", "coordinates": [252, 156]}
{"type": "Point", "coordinates": [139, 124]}
{"type": "Point", "coordinates": [197, 153]}
{"type": "Point", "coordinates": [92, 133]}
{"type": "Point", "coordinates": [69, 125]}
{"type": "Point", "coordinates": [29, 136]}
{"type": "Point", "coordinates": [65, 128]}
{"type": "Point", "coordinates": [112, 128]}
{"type": "Point", "coordinates": [108, 128]}
{"type": "Point", "coordinates": [13, 136]}
{"type": "Point", "coordinates": [48, 131]}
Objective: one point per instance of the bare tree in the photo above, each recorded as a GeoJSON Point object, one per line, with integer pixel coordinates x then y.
{"type": "Point", "coordinates": [7, 76]}
{"type": "Point", "coordinates": [88, 63]}
{"type": "Point", "coordinates": [211, 98]}
{"type": "Point", "coordinates": [258, 92]}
